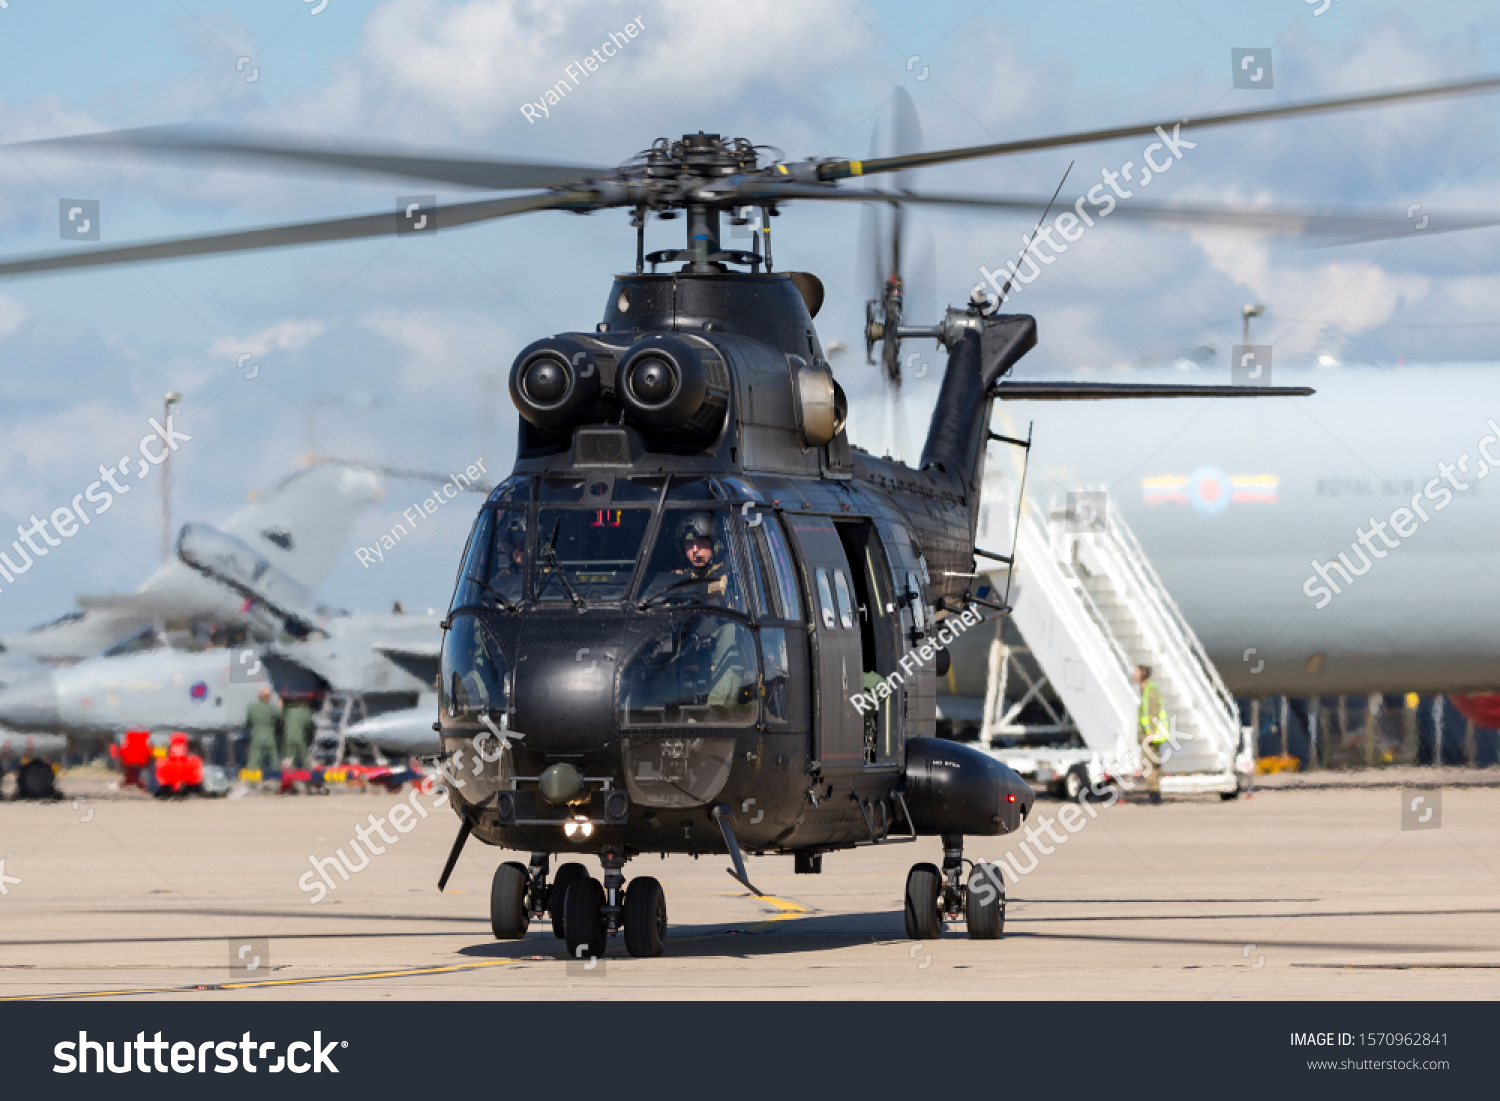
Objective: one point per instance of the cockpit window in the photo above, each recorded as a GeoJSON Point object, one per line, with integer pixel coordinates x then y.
{"type": "Point", "coordinates": [703, 669]}
{"type": "Point", "coordinates": [693, 562]}
{"type": "Point", "coordinates": [512, 491]}
{"type": "Point", "coordinates": [475, 679]}
{"type": "Point", "coordinates": [695, 489]}
{"type": "Point", "coordinates": [562, 490]}
{"type": "Point", "coordinates": [590, 551]}
{"type": "Point", "coordinates": [768, 547]}
{"type": "Point", "coordinates": [142, 640]}
{"type": "Point", "coordinates": [639, 489]}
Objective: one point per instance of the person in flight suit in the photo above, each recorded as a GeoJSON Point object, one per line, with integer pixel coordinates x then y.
{"type": "Point", "coordinates": [710, 669]}
{"type": "Point", "coordinates": [695, 535]}
{"type": "Point", "coordinates": [261, 717]}
{"type": "Point", "coordinates": [296, 722]}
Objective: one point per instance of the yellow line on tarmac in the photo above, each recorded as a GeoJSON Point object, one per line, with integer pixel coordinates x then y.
{"type": "Point", "coordinates": [267, 982]}
{"type": "Point", "coordinates": [786, 911]}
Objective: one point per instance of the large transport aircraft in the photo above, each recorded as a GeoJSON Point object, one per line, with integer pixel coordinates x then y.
{"type": "Point", "coordinates": [1339, 544]}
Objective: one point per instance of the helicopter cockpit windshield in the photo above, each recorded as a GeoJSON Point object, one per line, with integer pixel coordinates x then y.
{"type": "Point", "coordinates": [562, 539]}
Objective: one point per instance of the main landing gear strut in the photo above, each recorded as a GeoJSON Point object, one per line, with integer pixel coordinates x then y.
{"type": "Point", "coordinates": [584, 913]}
{"type": "Point", "coordinates": [933, 895]}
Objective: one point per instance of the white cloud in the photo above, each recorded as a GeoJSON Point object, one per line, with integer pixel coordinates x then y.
{"type": "Point", "coordinates": [292, 335]}
{"type": "Point", "coordinates": [1314, 308]}
{"type": "Point", "coordinates": [444, 348]}
{"type": "Point", "coordinates": [12, 314]}
{"type": "Point", "coordinates": [468, 68]}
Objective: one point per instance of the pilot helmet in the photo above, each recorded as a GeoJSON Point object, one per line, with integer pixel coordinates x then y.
{"type": "Point", "coordinates": [695, 525]}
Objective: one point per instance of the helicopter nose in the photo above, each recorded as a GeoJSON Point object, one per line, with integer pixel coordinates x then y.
{"type": "Point", "coordinates": [31, 704]}
{"type": "Point", "coordinates": [564, 685]}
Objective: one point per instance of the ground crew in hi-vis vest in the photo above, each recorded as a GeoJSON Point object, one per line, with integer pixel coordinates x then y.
{"type": "Point", "coordinates": [1151, 731]}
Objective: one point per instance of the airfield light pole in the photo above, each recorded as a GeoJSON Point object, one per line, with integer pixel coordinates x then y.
{"type": "Point", "coordinates": [171, 398]}
{"type": "Point", "coordinates": [1248, 311]}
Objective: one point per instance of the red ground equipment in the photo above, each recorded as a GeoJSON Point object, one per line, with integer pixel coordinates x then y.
{"type": "Point", "coordinates": [135, 757]}
{"type": "Point", "coordinates": [179, 772]}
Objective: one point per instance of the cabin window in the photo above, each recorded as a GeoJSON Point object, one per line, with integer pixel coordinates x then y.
{"type": "Point", "coordinates": [825, 601]}
{"type": "Point", "coordinates": [846, 602]}
{"type": "Point", "coordinates": [774, 655]}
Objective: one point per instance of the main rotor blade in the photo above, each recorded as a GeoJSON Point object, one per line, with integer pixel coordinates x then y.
{"type": "Point", "coordinates": [481, 173]}
{"type": "Point", "coordinates": [301, 233]}
{"type": "Point", "coordinates": [1093, 391]}
{"type": "Point", "coordinates": [1358, 226]}
{"type": "Point", "coordinates": [838, 170]}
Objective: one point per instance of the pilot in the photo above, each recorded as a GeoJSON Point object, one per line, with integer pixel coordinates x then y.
{"type": "Point", "coordinates": [712, 668]}
{"type": "Point", "coordinates": [695, 535]}
{"type": "Point", "coordinates": [512, 557]}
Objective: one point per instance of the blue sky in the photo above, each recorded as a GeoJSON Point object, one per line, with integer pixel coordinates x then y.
{"type": "Point", "coordinates": [425, 328]}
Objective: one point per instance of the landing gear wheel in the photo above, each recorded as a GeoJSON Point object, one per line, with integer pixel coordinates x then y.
{"type": "Point", "coordinates": [1076, 783]}
{"type": "Point", "coordinates": [34, 781]}
{"type": "Point", "coordinates": [924, 920]}
{"type": "Point", "coordinates": [510, 913]}
{"type": "Point", "coordinates": [557, 896]}
{"type": "Point", "coordinates": [984, 903]}
{"type": "Point", "coordinates": [645, 917]}
{"type": "Point", "coordinates": [584, 924]}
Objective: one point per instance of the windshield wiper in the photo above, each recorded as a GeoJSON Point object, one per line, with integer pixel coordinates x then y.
{"type": "Point", "coordinates": [490, 590]}
{"type": "Point", "coordinates": [678, 584]}
{"type": "Point", "coordinates": [557, 568]}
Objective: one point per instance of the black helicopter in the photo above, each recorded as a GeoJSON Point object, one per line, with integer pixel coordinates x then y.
{"type": "Point", "coordinates": [695, 618]}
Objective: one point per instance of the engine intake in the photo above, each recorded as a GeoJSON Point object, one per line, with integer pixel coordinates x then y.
{"type": "Point", "coordinates": [674, 387]}
{"type": "Point", "coordinates": [556, 384]}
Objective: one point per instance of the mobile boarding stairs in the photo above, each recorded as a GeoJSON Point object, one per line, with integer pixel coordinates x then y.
{"type": "Point", "coordinates": [1090, 608]}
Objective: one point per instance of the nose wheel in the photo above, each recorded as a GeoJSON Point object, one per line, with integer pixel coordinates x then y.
{"type": "Point", "coordinates": [588, 919]}
{"type": "Point", "coordinates": [933, 895]}
{"type": "Point", "coordinates": [645, 917]}
{"type": "Point", "coordinates": [557, 896]}
{"type": "Point", "coordinates": [585, 932]}
{"type": "Point", "coordinates": [510, 909]}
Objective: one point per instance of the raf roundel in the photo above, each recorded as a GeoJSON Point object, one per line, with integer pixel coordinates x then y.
{"type": "Point", "coordinates": [1209, 490]}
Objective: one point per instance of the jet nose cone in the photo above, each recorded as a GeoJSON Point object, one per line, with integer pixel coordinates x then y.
{"type": "Point", "coordinates": [30, 704]}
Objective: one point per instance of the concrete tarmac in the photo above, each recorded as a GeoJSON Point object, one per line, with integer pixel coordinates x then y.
{"type": "Point", "coordinates": [1287, 895]}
